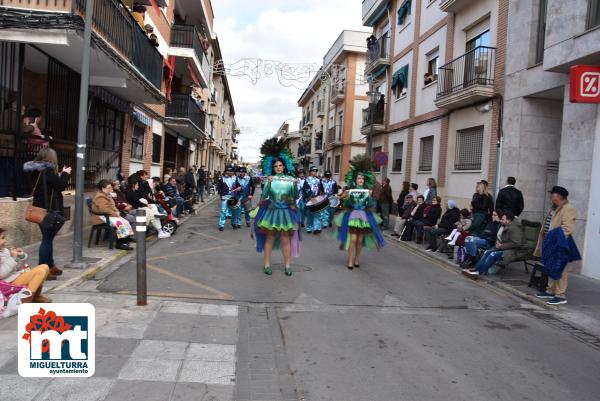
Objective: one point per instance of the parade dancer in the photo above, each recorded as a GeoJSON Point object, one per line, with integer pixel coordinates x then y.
{"type": "Point", "coordinates": [246, 194]}
{"type": "Point", "coordinates": [358, 227]}
{"type": "Point", "coordinates": [228, 188]}
{"type": "Point", "coordinates": [330, 188]}
{"type": "Point", "coordinates": [313, 188]}
{"type": "Point", "coordinates": [276, 220]}
{"type": "Point", "coordinates": [300, 201]}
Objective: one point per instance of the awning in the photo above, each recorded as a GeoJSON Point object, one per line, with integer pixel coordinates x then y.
{"type": "Point", "coordinates": [142, 118]}
{"type": "Point", "coordinates": [377, 73]}
{"type": "Point", "coordinates": [403, 11]}
{"type": "Point", "coordinates": [400, 77]}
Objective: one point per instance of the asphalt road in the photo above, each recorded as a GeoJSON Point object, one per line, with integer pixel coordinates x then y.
{"type": "Point", "coordinates": [399, 328]}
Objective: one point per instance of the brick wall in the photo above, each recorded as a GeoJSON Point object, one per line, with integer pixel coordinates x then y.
{"type": "Point", "coordinates": [147, 148]}
{"type": "Point", "coordinates": [126, 145]}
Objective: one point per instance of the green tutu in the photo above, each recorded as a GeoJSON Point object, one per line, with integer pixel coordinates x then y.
{"type": "Point", "coordinates": [275, 219]}
{"type": "Point", "coordinates": [358, 221]}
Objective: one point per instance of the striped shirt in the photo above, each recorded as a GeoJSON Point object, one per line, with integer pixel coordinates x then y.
{"type": "Point", "coordinates": [549, 220]}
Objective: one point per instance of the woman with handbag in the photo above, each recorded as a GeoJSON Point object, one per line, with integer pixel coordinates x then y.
{"type": "Point", "coordinates": [47, 195]}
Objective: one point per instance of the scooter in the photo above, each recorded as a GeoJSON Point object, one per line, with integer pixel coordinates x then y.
{"type": "Point", "coordinates": [169, 222]}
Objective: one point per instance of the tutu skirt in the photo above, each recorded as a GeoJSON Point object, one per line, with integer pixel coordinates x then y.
{"type": "Point", "coordinates": [279, 219]}
{"type": "Point", "coordinates": [359, 222]}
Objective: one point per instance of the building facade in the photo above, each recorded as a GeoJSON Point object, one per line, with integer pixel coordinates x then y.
{"type": "Point", "coordinates": [439, 65]}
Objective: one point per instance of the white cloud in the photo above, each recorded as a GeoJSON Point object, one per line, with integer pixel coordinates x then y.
{"type": "Point", "coordinates": [291, 31]}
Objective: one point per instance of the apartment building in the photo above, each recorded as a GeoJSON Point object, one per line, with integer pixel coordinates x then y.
{"type": "Point", "coordinates": [293, 137]}
{"type": "Point", "coordinates": [332, 106]}
{"type": "Point", "coordinates": [439, 65]}
{"type": "Point", "coordinates": [549, 140]}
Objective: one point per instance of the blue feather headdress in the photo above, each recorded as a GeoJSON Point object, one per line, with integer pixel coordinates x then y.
{"type": "Point", "coordinates": [273, 149]}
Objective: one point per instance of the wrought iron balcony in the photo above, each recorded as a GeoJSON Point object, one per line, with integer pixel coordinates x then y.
{"type": "Point", "coordinates": [334, 136]}
{"type": "Point", "coordinates": [337, 91]}
{"type": "Point", "coordinates": [467, 79]}
{"type": "Point", "coordinates": [378, 54]}
{"type": "Point", "coordinates": [183, 110]}
{"type": "Point", "coordinates": [187, 37]}
{"type": "Point", "coordinates": [320, 109]}
{"type": "Point", "coordinates": [376, 119]}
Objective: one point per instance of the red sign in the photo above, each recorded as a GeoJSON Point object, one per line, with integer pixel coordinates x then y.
{"type": "Point", "coordinates": [585, 84]}
{"type": "Point", "coordinates": [380, 158]}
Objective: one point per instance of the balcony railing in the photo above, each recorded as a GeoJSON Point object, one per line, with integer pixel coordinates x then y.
{"type": "Point", "coordinates": [184, 106]}
{"type": "Point", "coordinates": [476, 67]}
{"type": "Point", "coordinates": [377, 117]}
{"type": "Point", "coordinates": [379, 49]}
{"type": "Point", "coordinates": [117, 26]}
{"type": "Point", "coordinates": [318, 144]}
{"type": "Point", "coordinates": [187, 36]}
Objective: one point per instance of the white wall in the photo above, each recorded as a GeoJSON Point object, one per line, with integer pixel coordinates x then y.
{"type": "Point", "coordinates": [406, 35]}
{"type": "Point", "coordinates": [359, 105]}
{"type": "Point", "coordinates": [400, 108]}
{"type": "Point", "coordinates": [431, 14]}
{"type": "Point", "coordinates": [426, 95]}
{"type": "Point", "coordinates": [396, 178]}
{"type": "Point", "coordinates": [421, 131]}
{"type": "Point", "coordinates": [591, 253]}
{"type": "Point", "coordinates": [470, 16]}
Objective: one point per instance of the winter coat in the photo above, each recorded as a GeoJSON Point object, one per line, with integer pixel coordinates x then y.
{"type": "Point", "coordinates": [103, 204]}
{"type": "Point", "coordinates": [430, 193]}
{"type": "Point", "coordinates": [490, 233]}
{"type": "Point", "coordinates": [564, 217]}
{"type": "Point", "coordinates": [417, 213]}
{"type": "Point", "coordinates": [559, 251]}
{"type": "Point", "coordinates": [464, 223]}
{"type": "Point", "coordinates": [386, 195]}
{"type": "Point", "coordinates": [510, 199]}
{"type": "Point", "coordinates": [449, 219]}
{"type": "Point", "coordinates": [431, 215]}
{"type": "Point", "coordinates": [407, 210]}
{"type": "Point", "coordinates": [512, 242]}
{"type": "Point", "coordinates": [201, 178]}
{"type": "Point", "coordinates": [479, 222]}
{"type": "Point", "coordinates": [8, 266]}
{"type": "Point", "coordinates": [55, 184]}
{"type": "Point", "coordinates": [133, 199]}
{"type": "Point", "coordinates": [190, 181]}
{"type": "Point", "coordinates": [480, 203]}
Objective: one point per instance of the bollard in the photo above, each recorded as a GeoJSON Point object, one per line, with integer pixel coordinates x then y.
{"type": "Point", "coordinates": [140, 253]}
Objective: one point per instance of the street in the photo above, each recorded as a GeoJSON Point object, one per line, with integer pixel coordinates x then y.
{"type": "Point", "coordinates": [398, 328]}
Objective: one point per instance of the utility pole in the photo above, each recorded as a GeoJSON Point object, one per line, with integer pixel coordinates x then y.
{"type": "Point", "coordinates": [77, 261]}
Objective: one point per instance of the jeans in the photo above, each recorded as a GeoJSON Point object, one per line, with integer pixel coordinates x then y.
{"type": "Point", "coordinates": [489, 258]}
{"type": "Point", "coordinates": [472, 244]}
{"type": "Point", "coordinates": [200, 193]}
{"type": "Point", "coordinates": [385, 214]}
{"type": "Point", "coordinates": [46, 252]}
{"type": "Point", "coordinates": [431, 235]}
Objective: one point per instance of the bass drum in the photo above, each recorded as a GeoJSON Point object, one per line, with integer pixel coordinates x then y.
{"type": "Point", "coordinates": [233, 203]}
{"type": "Point", "coordinates": [317, 204]}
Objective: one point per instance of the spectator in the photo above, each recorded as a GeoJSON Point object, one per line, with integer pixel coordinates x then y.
{"type": "Point", "coordinates": [562, 215]}
{"type": "Point", "coordinates": [407, 208]}
{"type": "Point", "coordinates": [385, 202]}
{"type": "Point", "coordinates": [462, 227]}
{"type": "Point", "coordinates": [484, 241]}
{"type": "Point", "coordinates": [139, 13]}
{"type": "Point", "coordinates": [35, 139]}
{"type": "Point", "coordinates": [144, 190]}
{"type": "Point", "coordinates": [400, 201]}
{"type": "Point", "coordinates": [431, 191]}
{"type": "Point", "coordinates": [180, 178]}
{"type": "Point", "coordinates": [490, 200]}
{"type": "Point", "coordinates": [167, 174]}
{"type": "Point", "coordinates": [201, 185]}
{"type": "Point", "coordinates": [190, 183]}
{"type": "Point", "coordinates": [175, 199]}
{"type": "Point", "coordinates": [132, 195]}
{"type": "Point", "coordinates": [103, 204]}
{"type": "Point", "coordinates": [447, 223]}
{"type": "Point", "coordinates": [13, 271]}
{"type": "Point", "coordinates": [480, 204]}
{"type": "Point", "coordinates": [431, 215]}
{"type": "Point", "coordinates": [510, 199]}
{"type": "Point", "coordinates": [509, 242]}
{"type": "Point", "coordinates": [413, 190]}
{"type": "Point", "coordinates": [121, 202]}
{"type": "Point", "coordinates": [46, 164]}
{"type": "Point", "coordinates": [415, 215]}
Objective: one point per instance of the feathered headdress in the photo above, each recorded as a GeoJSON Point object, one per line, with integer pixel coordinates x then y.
{"type": "Point", "coordinates": [272, 149]}
{"type": "Point", "coordinates": [360, 165]}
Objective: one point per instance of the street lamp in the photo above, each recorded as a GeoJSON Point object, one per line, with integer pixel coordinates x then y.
{"type": "Point", "coordinates": [373, 99]}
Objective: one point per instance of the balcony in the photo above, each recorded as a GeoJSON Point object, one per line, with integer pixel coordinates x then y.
{"type": "Point", "coordinates": [337, 93]}
{"type": "Point", "coordinates": [185, 117]}
{"type": "Point", "coordinates": [373, 122]}
{"type": "Point", "coordinates": [373, 10]}
{"type": "Point", "coordinates": [334, 136]}
{"type": "Point", "coordinates": [467, 79]}
{"type": "Point", "coordinates": [185, 42]}
{"type": "Point", "coordinates": [319, 146]}
{"type": "Point", "coordinates": [454, 6]}
{"type": "Point", "coordinates": [320, 109]}
{"type": "Point", "coordinates": [378, 55]}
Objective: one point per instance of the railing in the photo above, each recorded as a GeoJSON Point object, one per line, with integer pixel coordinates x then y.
{"type": "Point", "coordinates": [319, 144]}
{"type": "Point", "coordinates": [117, 26]}
{"type": "Point", "coordinates": [320, 107]}
{"type": "Point", "coordinates": [184, 106]}
{"type": "Point", "coordinates": [187, 36]}
{"type": "Point", "coordinates": [376, 117]}
{"type": "Point", "coordinates": [476, 67]}
{"type": "Point", "coordinates": [331, 135]}
{"type": "Point", "coordinates": [379, 49]}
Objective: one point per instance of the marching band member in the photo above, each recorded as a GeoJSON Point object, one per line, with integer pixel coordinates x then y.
{"type": "Point", "coordinates": [276, 220]}
{"type": "Point", "coordinates": [246, 195]}
{"type": "Point", "coordinates": [313, 188]}
{"type": "Point", "coordinates": [330, 188]}
{"type": "Point", "coordinates": [228, 188]}
{"type": "Point", "coordinates": [300, 201]}
{"type": "Point", "coordinates": [358, 227]}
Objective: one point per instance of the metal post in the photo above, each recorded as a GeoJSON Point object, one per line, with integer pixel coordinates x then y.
{"type": "Point", "coordinates": [81, 139]}
{"type": "Point", "coordinates": [140, 253]}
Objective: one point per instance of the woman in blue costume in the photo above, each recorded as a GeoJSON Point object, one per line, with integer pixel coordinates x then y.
{"type": "Point", "coordinates": [358, 227]}
{"type": "Point", "coordinates": [277, 219]}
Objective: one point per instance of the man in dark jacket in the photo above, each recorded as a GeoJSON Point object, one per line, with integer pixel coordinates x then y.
{"type": "Point", "coordinates": [445, 226]}
{"type": "Point", "coordinates": [190, 183]}
{"type": "Point", "coordinates": [510, 199]}
{"type": "Point", "coordinates": [385, 202]}
{"type": "Point", "coordinates": [431, 215]}
{"type": "Point", "coordinates": [174, 198]}
{"type": "Point", "coordinates": [407, 208]}
{"type": "Point", "coordinates": [201, 184]}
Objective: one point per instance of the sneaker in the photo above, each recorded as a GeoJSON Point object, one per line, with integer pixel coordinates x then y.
{"type": "Point", "coordinates": [451, 243]}
{"type": "Point", "coordinates": [448, 238]}
{"type": "Point", "coordinates": [557, 301]}
{"type": "Point", "coordinates": [471, 272]}
{"type": "Point", "coordinates": [544, 295]}
{"type": "Point", "coordinates": [162, 234]}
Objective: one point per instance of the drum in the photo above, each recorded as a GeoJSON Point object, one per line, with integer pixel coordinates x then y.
{"type": "Point", "coordinates": [247, 204]}
{"type": "Point", "coordinates": [233, 203]}
{"type": "Point", "coordinates": [334, 201]}
{"type": "Point", "coordinates": [317, 204]}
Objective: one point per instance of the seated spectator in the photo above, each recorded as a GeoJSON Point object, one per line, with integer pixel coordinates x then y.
{"type": "Point", "coordinates": [14, 271]}
{"type": "Point", "coordinates": [413, 190]}
{"type": "Point", "coordinates": [139, 13]}
{"type": "Point", "coordinates": [407, 208]}
{"type": "Point", "coordinates": [462, 227]}
{"type": "Point", "coordinates": [447, 223]}
{"type": "Point", "coordinates": [103, 203]}
{"type": "Point", "coordinates": [174, 198]}
{"type": "Point", "coordinates": [152, 214]}
{"type": "Point", "coordinates": [509, 242]}
{"type": "Point", "coordinates": [401, 198]}
{"type": "Point", "coordinates": [479, 221]}
{"type": "Point", "coordinates": [484, 241]}
{"type": "Point", "coordinates": [431, 215]}
{"type": "Point", "coordinates": [415, 215]}
{"type": "Point", "coordinates": [121, 202]}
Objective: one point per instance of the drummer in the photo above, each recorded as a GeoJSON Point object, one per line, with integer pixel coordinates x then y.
{"type": "Point", "coordinates": [228, 188]}
{"type": "Point", "coordinates": [330, 188]}
{"type": "Point", "coordinates": [301, 176]}
{"type": "Point", "coordinates": [313, 188]}
{"type": "Point", "coordinates": [246, 194]}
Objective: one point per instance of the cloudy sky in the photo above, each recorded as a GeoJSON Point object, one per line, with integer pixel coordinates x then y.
{"type": "Point", "coordinates": [291, 31]}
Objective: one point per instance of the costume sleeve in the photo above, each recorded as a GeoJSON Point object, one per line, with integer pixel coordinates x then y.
{"type": "Point", "coordinates": [266, 192]}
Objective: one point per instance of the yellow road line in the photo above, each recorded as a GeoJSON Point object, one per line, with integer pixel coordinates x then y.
{"type": "Point", "coordinates": [214, 248]}
{"type": "Point", "coordinates": [217, 294]}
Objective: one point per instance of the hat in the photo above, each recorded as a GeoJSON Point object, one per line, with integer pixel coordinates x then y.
{"type": "Point", "coordinates": [314, 168]}
{"type": "Point", "coordinates": [327, 173]}
{"type": "Point", "coordinates": [301, 171]}
{"type": "Point", "coordinates": [230, 169]}
{"type": "Point", "coordinates": [560, 190]}
{"type": "Point", "coordinates": [242, 169]}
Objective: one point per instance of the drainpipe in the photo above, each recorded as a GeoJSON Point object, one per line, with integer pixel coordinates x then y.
{"type": "Point", "coordinates": [499, 146]}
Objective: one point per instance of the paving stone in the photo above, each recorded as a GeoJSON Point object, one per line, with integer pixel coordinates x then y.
{"type": "Point", "coordinates": [150, 370]}
{"type": "Point", "coordinates": [155, 349]}
{"type": "Point", "coordinates": [109, 366]}
{"type": "Point", "coordinates": [175, 319]}
{"type": "Point", "coordinates": [180, 307]}
{"type": "Point", "coordinates": [10, 365]}
{"type": "Point", "coordinates": [9, 324]}
{"type": "Point", "coordinates": [121, 347]}
{"type": "Point", "coordinates": [214, 334]}
{"type": "Point", "coordinates": [208, 372]}
{"type": "Point", "coordinates": [168, 332]}
{"type": "Point", "coordinates": [140, 391]}
{"type": "Point", "coordinates": [219, 310]}
{"type": "Point", "coordinates": [199, 391]}
{"type": "Point", "coordinates": [211, 352]}
{"type": "Point", "coordinates": [74, 389]}
{"type": "Point", "coordinates": [17, 388]}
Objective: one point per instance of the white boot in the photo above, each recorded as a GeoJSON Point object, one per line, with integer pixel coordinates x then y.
{"type": "Point", "coordinates": [162, 234]}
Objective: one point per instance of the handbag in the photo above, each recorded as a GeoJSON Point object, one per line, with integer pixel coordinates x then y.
{"type": "Point", "coordinates": [34, 214]}
{"type": "Point", "coordinates": [51, 219]}
{"type": "Point", "coordinates": [11, 297]}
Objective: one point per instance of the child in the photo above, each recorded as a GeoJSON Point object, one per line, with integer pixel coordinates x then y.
{"type": "Point", "coordinates": [13, 270]}
{"type": "Point", "coordinates": [462, 226]}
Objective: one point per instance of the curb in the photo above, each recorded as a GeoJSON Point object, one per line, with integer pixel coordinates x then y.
{"type": "Point", "coordinates": [484, 281]}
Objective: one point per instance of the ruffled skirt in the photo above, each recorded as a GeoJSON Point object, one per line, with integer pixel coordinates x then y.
{"type": "Point", "coordinates": [359, 222]}
{"type": "Point", "coordinates": [278, 220]}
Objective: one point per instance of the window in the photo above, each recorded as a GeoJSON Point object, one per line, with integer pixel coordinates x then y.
{"type": "Point", "coordinates": [398, 152]}
{"type": "Point", "coordinates": [404, 12]}
{"type": "Point", "coordinates": [329, 163]}
{"type": "Point", "coordinates": [340, 127]}
{"type": "Point", "coordinates": [375, 151]}
{"type": "Point", "coordinates": [336, 165]}
{"type": "Point", "coordinates": [400, 82]}
{"type": "Point", "coordinates": [469, 148]}
{"type": "Point", "coordinates": [432, 67]}
{"type": "Point", "coordinates": [541, 32]}
{"type": "Point", "coordinates": [137, 143]}
{"type": "Point", "coordinates": [156, 142]}
{"type": "Point", "coordinates": [426, 155]}
{"type": "Point", "coordinates": [593, 14]}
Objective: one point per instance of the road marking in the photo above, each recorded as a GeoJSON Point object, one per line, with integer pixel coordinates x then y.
{"type": "Point", "coordinates": [217, 294]}
{"type": "Point", "coordinates": [214, 248]}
